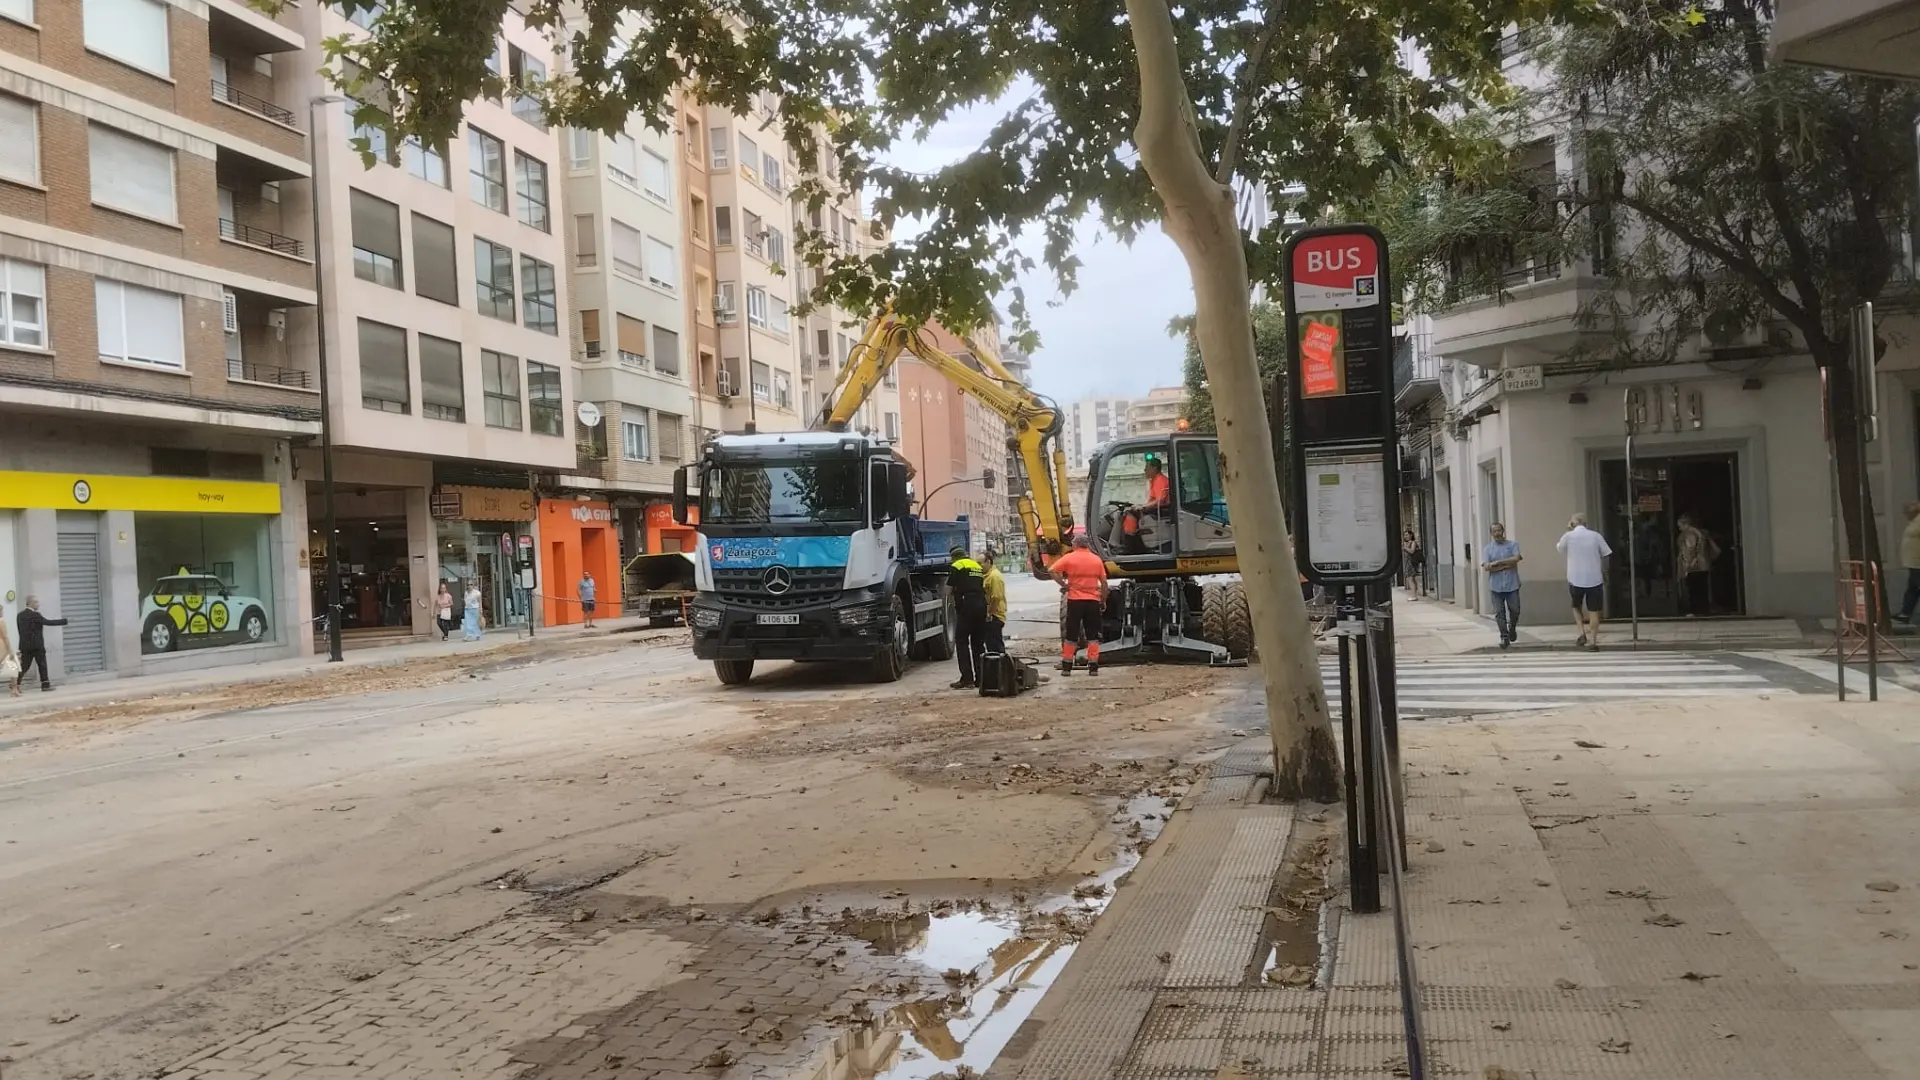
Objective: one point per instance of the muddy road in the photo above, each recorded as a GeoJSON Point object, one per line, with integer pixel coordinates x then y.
{"type": "Point", "coordinates": [548, 860]}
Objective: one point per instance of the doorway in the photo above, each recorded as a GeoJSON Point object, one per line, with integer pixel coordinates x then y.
{"type": "Point", "coordinates": [1702, 487]}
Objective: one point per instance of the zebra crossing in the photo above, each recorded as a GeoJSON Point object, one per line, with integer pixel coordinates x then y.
{"type": "Point", "coordinates": [1515, 682]}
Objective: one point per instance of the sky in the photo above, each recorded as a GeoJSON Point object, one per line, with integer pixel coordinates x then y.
{"type": "Point", "coordinates": [1110, 337]}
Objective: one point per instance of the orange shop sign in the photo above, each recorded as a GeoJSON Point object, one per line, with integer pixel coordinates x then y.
{"type": "Point", "coordinates": [459, 502]}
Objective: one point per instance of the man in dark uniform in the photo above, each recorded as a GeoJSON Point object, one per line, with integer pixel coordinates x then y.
{"type": "Point", "coordinates": [966, 581]}
{"type": "Point", "coordinates": [33, 642]}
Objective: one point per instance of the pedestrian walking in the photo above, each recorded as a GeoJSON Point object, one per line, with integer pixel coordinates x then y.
{"type": "Point", "coordinates": [1910, 558]}
{"type": "Point", "coordinates": [443, 611]}
{"type": "Point", "coordinates": [1084, 575]}
{"type": "Point", "coordinates": [9, 662]}
{"type": "Point", "coordinates": [1586, 553]}
{"type": "Point", "coordinates": [33, 642]}
{"type": "Point", "coordinates": [967, 585]}
{"type": "Point", "coordinates": [587, 591]}
{"type": "Point", "coordinates": [1413, 564]}
{"type": "Point", "coordinates": [470, 625]}
{"type": "Point", "coordinates": [1696, 551]}
{"type": "Point", "coordinates": [996, 588]}
{"type": "Point", "coordinates": [1501, 561]}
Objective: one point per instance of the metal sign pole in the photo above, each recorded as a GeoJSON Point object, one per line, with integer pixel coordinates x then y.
{"type": "Point", "coordinates": [1363, 863]}
{"type": "Point", "coordinates": [1841, 599]}
{"type": "Point", "coordinates": [1633, 555]}
{"type": "Point", "coordinates": [1866, 410]}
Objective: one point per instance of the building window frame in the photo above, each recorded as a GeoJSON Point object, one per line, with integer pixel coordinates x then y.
{"type": "Point", "coordinates": [546, 400]}
{"type": "Point", "coordinates": [492, 298]}
{"type": "Point", "coordinates": [487, 169]}
{"type": "Point", "coordinates": [23, 284]}
{"type": "Point", "coordinates": [500, 390]}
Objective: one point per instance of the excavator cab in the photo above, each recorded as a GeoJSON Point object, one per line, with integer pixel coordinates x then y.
{"type": "Point", "coordinates": [1158, 503]}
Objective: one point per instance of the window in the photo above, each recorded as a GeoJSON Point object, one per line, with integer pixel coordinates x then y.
{"type": "Point", "coordinates": [717, 140]}
{"type": "Point", "coordinates": [371, 129]}
{"type": "Point", "coordinates": [749, 153]}
{"type": "Point", "coordinates": [633, 438]}
{"type": "Point", "coordinates": [376, 239]}
{"type": "Point", "coordinates": [544, 407]}
{"type": "Point", "coordinates": [770, 172]}
{"type": "Point", "coordinates": [436, 275]}
{"type": "Point", "coordinates": [579, 147]}
{"type": "Point", "coordinates": [131, 31]}
{"type": "Point", "coordinates": [500, 386]}
{"type": "Point", "coordinates": [626, 250]}
{"type": "Point", "coordinates": [429, 163]}
{"type": "Point", "coordinates": [525, 72]}
{"type": "Point", "coordinates": [723, 226]}
{"type": "Point", "coordinates": [537, 296]}
{"type": "Point", "coordinates": [131, 174]}
{"type": "Point", "coordinates": [891, 380]}
{"type": "Point", "coordinates": [671, 430]}
{"type": "Point", "coordinates": [493, 272]}
{"type": "Point", "coordinates": [666, 351]}
{"type": "Point", "coordinates": [383, 368]}
{"type": "Point", "coordinates": [762, 382]}
{"type": "Point", "coordinates": [590, 330]}
{"type": "Point", "coordinates": [23, 305]}
{"type": "Point", "coordinates": [365, 17]}
{"type": "Point", "coordinates": [586, 241]}
{"type": "Point", "coordinates": [217, 572]}
{"type": "Point", "coordinates": [19, 140]}
{"type": "Point", "coordinates": [530, 191]}
{"type": "Point", "coordinates": [697, 217]}
{"type": "Point", "coordinates": [138, 326]}
{"type": "Point", "coordinates": [776, 247]}
{"type": "Point", "coordinates": [655, 179]}
{"type": "Point", "coordinates": [778, 315]}
{"type": "Point", "coordinates": [694, 140]}
{"type": "Point", "coordinates": [823, 345]}
{"type": "Point", "coordinates": [663, 264]}
{"type": "Point", "coordinates": [725, 306]}
{"type": "Point", "coordinates": [17, 10]}
{"type": "Point", "coordinates": [755, 233]}
{"type": "Point", "coordinates": [782, 390]}
{"type": "Point", "coordinates": [624, 162]}
{"type": "Point", "coordinates": [632, 340]}
{"type": "Point", "coordinates": [890, 424]}
{"type": "Point", "coordinates": [443, 389]}
{"type": "Point", "coordinates": [487, 166]}
{"type": "Point", "coordinates": [756, 305]}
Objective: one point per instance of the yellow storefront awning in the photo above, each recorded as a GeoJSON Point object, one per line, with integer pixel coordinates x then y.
{"type": "Point", "coordinates": [150, 494]}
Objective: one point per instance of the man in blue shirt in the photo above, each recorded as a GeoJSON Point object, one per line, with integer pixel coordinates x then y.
{"type": "Point", "coordinates": [1501, 561]}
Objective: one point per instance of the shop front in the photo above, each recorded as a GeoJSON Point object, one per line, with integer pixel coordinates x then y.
{"type": "Point", "coordinates": [148, 570]}
{"type": "Point", "coordinates": [665, 534]}
{"type": "Point", "coordinates": [485, 537]}
{"type": "Point", "coordinates": [578, 537]}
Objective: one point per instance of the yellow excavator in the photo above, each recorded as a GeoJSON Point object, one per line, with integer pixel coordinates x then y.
{"type": "Point", "coordinates": [1156, 504]}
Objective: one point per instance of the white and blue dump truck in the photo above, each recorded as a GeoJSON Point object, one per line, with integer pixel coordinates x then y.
{"type": "Point", "coordinates": [810, 550]}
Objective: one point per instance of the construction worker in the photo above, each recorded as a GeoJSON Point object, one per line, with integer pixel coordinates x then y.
{"type": "Point", "coordinates": [966, 582]}
{"type": "Point", "coordinates": [996, 589]}
{"type": "Point", "coordinates": [1159, 488]}
{"type": "Point", "coordinates": [1084, 575]}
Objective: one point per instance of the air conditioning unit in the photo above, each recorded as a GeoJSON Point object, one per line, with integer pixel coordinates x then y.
{"type": "Point", "coordinates": [724, 384]}
{"type": "Point", "coordinates": [229, 313]}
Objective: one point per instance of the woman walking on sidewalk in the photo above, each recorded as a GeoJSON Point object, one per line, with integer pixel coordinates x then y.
{"type": "Point", "coordinates": [9, 663]}
{"type": "Point", "coordinates": [443, 611]}
{"type": "Point", "coordinates": [1413, 564]}
{"type": "Point", "coordinates": [470, 628]}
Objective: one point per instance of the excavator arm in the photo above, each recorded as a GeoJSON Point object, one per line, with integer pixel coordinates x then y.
{"type": "Point", "coordinates": [1046, 513]}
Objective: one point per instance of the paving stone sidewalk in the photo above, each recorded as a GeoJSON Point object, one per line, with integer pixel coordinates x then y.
{"type": "Point", "coordinates": [1710, 889]}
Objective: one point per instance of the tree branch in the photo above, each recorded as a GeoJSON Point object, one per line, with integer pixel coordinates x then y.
{"type": "Point", "coordinates": [1244, 92]}
{"type": "Point", "coordinates": [1737, 261]}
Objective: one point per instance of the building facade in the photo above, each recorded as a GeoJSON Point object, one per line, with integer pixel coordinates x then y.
{"type": "Point", "coordinates": [1158, 413]}
{"type": "Point", "coordinates": [1091, 423]}
{"type": "Point", "coordinates": [954, 440]}
{"type": "Point", "coordinates": [156, 366]}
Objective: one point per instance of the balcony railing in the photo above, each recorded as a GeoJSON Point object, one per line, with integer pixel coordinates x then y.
{"type": "Point", "coordinates": [266, 373]}
{"type": "Point", "coordinates": [259, 106]}
{"type": "Point", "coordinates": [634, 359]}
{"type": "Point", "coordinates": [263, 238]}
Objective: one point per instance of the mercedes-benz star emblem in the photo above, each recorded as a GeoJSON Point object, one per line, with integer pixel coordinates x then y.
{"type": "Point", "coordinates": [778, 580]}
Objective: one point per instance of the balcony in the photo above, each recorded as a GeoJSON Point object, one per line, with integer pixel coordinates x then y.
{"type": "Point", "coordinates": [240, 98]}
{"type": "Point", "coordinates": [242, 371]}
{"type": "Point", "coordinates": [1416, 371]}
{"type": "Point", "coordinates": [1870, 37]}
{"type": "Point", "coordinates": [637, 361]}
{"type": "Point", "coordinates": [254, 236]}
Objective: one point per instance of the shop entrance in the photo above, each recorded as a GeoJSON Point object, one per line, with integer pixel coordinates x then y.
{"type": "Point", "coordinates": [369, 553]}
{"type": "Point", "coordinates": [1705, 488]}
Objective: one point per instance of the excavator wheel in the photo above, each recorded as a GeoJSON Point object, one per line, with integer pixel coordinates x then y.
{"type": "Point", "coordinates": [1239, 621]}
{"type": "Point", "coordinates": [1213, 613]}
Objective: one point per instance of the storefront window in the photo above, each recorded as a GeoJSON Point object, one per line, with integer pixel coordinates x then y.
{"type": "Point", "coordinates": [205, 580]}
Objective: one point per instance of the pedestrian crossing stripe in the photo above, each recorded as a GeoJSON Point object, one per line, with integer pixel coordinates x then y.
{"type": "Point", "coordinates": [1481, 683]}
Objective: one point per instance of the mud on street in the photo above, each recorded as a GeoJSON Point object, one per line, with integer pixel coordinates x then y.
{"type": "Point", "coordinates": [581, 858]}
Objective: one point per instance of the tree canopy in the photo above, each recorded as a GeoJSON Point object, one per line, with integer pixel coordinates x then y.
{"type": "Point", "coordinates": [1269, 344]}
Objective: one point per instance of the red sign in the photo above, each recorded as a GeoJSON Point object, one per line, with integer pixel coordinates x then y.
{"type": "Point", "coordinates": [1337, 271]}
{"type": "Point", "coordinates": [1320, 368]}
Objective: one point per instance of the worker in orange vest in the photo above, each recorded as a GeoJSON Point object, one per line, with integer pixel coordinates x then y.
{"type": "Point", "coordinates": [1085, 576]}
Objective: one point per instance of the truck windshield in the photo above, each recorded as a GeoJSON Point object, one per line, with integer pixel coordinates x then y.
{"type": "Point", "coordinates": [761, 494]}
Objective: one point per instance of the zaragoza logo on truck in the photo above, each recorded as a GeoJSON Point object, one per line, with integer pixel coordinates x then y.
{"type": "Point", "coordinates": [752, 553]}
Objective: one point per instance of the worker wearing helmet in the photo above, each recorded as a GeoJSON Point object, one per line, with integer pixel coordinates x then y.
{"type": "Point", "coordinates": [1084, 575]}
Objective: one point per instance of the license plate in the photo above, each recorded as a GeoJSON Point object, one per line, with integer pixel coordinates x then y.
{"type": "Point", "coordinates": [777, 620]}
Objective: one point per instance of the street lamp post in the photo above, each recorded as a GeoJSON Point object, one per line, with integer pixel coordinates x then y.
{"type": "Point", "coordinates": [326, 393]}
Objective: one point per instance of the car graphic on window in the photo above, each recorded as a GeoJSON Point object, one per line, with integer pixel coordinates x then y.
{"type": "Point", "coordinates": [198, 610]}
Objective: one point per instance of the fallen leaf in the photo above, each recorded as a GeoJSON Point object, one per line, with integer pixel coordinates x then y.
{"type": "Point", "coordinates": [1663, 919]}
{"type": "Point", "coordinates": [1633, 1003]}
{"type": "Point", "coordinates": [1895, 935]}
{"type": "Point", "coordinates": [1498, 1072]}
{"type": "Point", "coordinates": [1616, 1046]}
{"type": "Point", "coordinates": [1165, 958]}
{"type": "Point", "coordinates": [1586, 745]}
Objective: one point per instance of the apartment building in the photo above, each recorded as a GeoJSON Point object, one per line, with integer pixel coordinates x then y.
{"type": "Point", "coordinates": [156, 365]}
{"type": "Point", "coordinates": [1090, 424]}
{"type": "Point", "coordinates": [443, 273]}
{"type": "Point", "coordinates": [1158, 413]}
{"type": "Point", "coordinates": [954, 440]}
{"type": "Point", "coordinates": [1504, 418]}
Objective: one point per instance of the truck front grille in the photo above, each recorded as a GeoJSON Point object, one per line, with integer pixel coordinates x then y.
{"type": "Point", "coordinates": [748, 588]}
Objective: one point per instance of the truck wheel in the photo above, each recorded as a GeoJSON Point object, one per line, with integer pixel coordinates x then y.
{"type": "Point", "coordinates": [941, 648]}
{"type": "Point", "coordinates": [1213, 613]}
{"type": "Point", "coordinates": [891, 663]}
{"type": "Point", "coordinates": [1239, 621]}
{"type": "Point", "coordinates": [733, 672]}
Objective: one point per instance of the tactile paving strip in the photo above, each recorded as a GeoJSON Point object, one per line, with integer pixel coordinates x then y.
{"type": "Point", "coordinates": [1225, 929]}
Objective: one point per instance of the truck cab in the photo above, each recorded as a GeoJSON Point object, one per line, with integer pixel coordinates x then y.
{"type": "Point", "coordinates": [809, 550]}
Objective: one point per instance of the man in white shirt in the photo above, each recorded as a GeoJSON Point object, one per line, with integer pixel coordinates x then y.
{"type": "Point", "coordinates": [1586, 553]}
